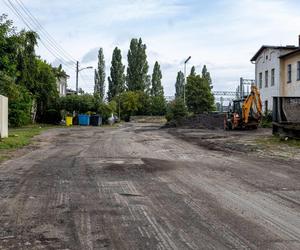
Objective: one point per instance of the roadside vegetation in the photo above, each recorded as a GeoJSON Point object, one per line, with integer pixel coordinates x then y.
{"type": "Point", "coordinates": [18, 138]}
{"type": "Point", "coordinates": [198, 96]}
{"type": "Point", "coordinates": [274, 141]}
{"type": "Point", "coordinates": [30, 83]}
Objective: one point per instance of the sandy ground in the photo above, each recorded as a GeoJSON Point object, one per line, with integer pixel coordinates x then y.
{"type": "Point", "coordinates": [141, 187]}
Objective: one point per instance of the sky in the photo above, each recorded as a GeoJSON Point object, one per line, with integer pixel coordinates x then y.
{"type": "Point", "coordinates": [222, 34]}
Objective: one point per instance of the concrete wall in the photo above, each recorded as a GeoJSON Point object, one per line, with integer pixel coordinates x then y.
{"type": "Point", "coordinates": [292, 88]}
{"type": "Point", "coordinates": [268, 60]}
{"type": "Point", "coordinates": [3, 116]}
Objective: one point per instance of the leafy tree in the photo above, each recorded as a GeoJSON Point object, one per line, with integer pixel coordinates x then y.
{"type": "Point", "coordinates": [19, 98]}
{"type": "Point", "coordinates": [46, 88]}
{"type": "Point", "coordinates": [156, 89]}
{"type": "Point", "coordinates": [176, 110]}
{"type": "Point", "coordinates": [27, 61]}
{"type": "Point", "coordinates": [206, 75]}
{"type": "Point", "coordinates": [137, 69]}
{"type": "Point", "coordinates": [130, 104]}
{"type": "Point", "coordinates": [158, 105]}
{"type": "Point", "coordinates": [179, 85]}
{"type": "Point", "coordinates": [9, 44]}
{"type": "Point", "coordinates": [99, 88]}
{"type": "Point", "coordinates": [106, 109]}
{"type": "Point", "coordinates": [79, 103]}
{"type": "Point", "coordinates": [193, 71]}
{"type": "Point", "coordinates": [19, 101]}
{"type": "Point", "coordinates": [199, 97]}
{"type": "Point", "coordinates": [116, 81]}
{"type": "Point", "coordinates": [144, 103]}
{"type": "Point", "coordinates": [59, 72]}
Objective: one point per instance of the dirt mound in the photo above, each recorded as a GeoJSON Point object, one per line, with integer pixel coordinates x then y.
{"type": "Point", "coordinates": [204, 121]}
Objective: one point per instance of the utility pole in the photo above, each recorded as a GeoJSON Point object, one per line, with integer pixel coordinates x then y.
{"type": "Point", "coordinates": [185, 62]}
{"type": "Point", "coordinates": [77, 71]}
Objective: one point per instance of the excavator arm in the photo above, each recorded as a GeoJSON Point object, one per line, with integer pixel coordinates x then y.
{"type": "Point", "coordinates": [253, 102]}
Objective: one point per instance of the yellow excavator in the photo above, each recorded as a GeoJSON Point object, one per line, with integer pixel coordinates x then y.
{"type": "Point", "coordinates": [245, 113]}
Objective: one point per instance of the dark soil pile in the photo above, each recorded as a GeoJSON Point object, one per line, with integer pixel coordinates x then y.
{"type": "Point", "coordinates": [201, 121]}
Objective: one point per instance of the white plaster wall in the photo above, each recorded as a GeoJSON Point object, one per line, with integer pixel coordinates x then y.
{"type": "Point", "coordinates": [3, 116]}
{"type": "Point", "coordinates": [61, 86]}
{"type": "Point", "coordinates": [268, 60]}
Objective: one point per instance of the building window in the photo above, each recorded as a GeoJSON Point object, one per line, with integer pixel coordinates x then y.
{"type": "Point", "coordinates": [298, 71]}
{"type": "Point", "coordinates": [260, 80]}
{"type": "Point", "coordinates": [266, 78]}
{"type": "Point", "coordinates": [289, 73]}
{"type": "Point", "coordinates": [273, 77]}
{"type": "Point", "coordinates": [266, 107]}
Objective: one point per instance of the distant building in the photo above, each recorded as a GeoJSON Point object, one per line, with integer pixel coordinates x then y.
{"type": "Point", "coordinates": [62, 84]}
{"type": "Point", "coordinates": [70, 92]}
{"type": "Point", "coordinates": [268, 72]}
{"type": "Point", "coordinates": [290, 73]}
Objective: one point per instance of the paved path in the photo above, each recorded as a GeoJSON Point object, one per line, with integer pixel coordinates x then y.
{"type": "Point", "coordinates": [139, 187]}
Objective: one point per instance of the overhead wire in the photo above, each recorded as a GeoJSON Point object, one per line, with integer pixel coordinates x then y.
{"type": "Point", "coordinates": [32, 23]}
{"type": "Point", "coordinates": [46, 34]}
{"type": "Point", "coordinates": [52, 51]}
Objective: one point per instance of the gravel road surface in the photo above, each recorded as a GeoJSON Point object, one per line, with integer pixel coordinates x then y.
{"type": "Point", "coordinates": [140, 187]}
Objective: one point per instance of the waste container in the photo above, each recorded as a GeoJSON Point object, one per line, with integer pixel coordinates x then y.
{"type": "Point", "coordinates": [84, 120]}
{"type": "Point", "coordinates": [75, 120]}
{"type": "Point", "coordinates": [69, 120]}
{"type": "Point", "coordinates": [96, 120]}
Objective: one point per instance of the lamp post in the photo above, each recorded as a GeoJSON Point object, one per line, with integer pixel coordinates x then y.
{"type": "Point", "coordinates": [185, 62]}
{"type": "Point", "coordinates": [77, 71]}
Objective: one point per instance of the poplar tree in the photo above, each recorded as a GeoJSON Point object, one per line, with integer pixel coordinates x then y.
{"type": "Point", "coordinates": [116, 80]}
{"type": "Point", "coordinates": [157, 88]}
{"type": "Point", "coordinates": [206, 75]}
{"type": "Point", "coordinates": [179, 85]}
{"type": "Point", "coordinates": [137, 70]}
{"type": "Point", "coordinates": [99, 88]}
{"type": "Point", "coordinates": [193, 71]}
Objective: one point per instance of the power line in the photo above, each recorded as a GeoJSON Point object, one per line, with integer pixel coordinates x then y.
{"type": "Point", "coordinates": [27, 22]}
{"type": "Point", "coordinates": [45, 32]}
{"type": "Point", "coordinates": [28, 25]}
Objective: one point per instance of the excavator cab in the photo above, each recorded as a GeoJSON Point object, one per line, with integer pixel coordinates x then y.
{"type": "Point", "coordinates": [245, 113]}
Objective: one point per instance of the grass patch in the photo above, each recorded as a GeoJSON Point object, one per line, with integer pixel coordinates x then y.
{"type": "Point", "coordinates": [18, 138]}
{"type": "Point", "coordinates": [277, 141]}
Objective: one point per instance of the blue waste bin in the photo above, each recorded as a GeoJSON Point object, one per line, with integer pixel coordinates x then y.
{"type": "Point", "coordinates": [84, 120]}
{"type": "Point", "coordinates": [95, 120]}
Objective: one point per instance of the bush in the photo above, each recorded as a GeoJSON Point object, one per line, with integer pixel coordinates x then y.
{"type": "Point", "coordinates": [267, 120]}
{"type": "Point", "coordinates": [176, 110]}
{"type": "Point", "coordinates": [130, 104]}
{"type": "Point", "coordinates": [106, 109]}
{"type": "Point", "coordinates": [19, 103]}
{"type": "Point", "coordinates": [158, 105]}
{"type": "Point", "coordinates": [79, 103]}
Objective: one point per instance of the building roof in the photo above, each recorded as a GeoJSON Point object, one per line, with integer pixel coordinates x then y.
{"type": "Point", "coordinates": [291, 53]}
{"type": "Point", "coordinates": [288, 47]}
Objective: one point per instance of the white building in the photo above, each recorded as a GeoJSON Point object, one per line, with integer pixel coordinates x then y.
{"type": "Point", "coordinates": [268, 72]}
{"type": "Point", "coordinates": [62, 85]}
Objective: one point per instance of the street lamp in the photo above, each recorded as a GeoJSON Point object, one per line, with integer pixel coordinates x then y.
{"type": "Point", "coordinates": [185, 62]}
{"type": "Point", "coordinates": [77, 71]}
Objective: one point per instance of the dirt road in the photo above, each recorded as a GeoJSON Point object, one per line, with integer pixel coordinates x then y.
{"type": "Point", "coordinates": [140, 187]}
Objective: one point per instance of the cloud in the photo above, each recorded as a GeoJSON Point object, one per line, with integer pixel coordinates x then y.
{"type": "Point", "coordinates": [223, 34]}
{"type": "Point", "coordinates": [91, 55]}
